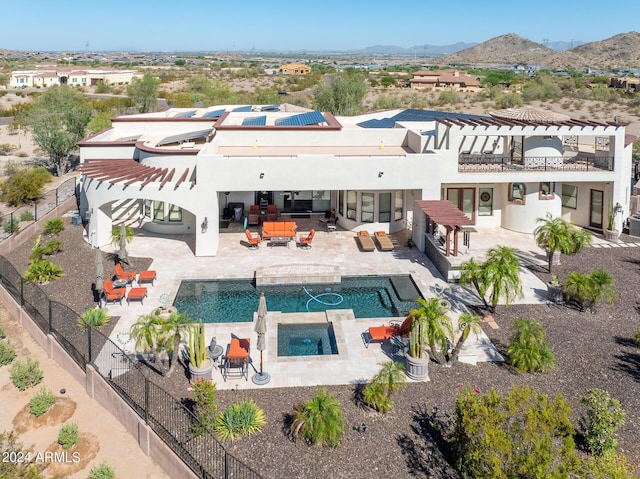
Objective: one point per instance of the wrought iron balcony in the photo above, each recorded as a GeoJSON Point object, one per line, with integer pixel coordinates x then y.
{"type": "Point", "coordinates": [492, 163]}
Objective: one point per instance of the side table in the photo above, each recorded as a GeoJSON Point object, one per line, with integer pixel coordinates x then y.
{"type": "Point", "coordinates": [215, 353]}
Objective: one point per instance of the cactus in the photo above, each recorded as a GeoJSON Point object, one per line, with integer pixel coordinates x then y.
{"type": "Point", "coordinates": [417, 338]}
{"type": "Point", "coordinates": [197, 347]}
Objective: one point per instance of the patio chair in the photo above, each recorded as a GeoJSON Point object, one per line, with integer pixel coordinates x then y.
{"type": "Point", "coordinates": [305, 241]}
{"type": "Point", "coordinates": [254, 241]}
{"type": "Point", "coordinates": [382, 333]}
{"type": "Point", "coordinates": [236, 361]}
{"type": "Point", "coordinates": [111, 293]}
{"type": "Point", "coordinates": [272, 213]}
{"type": "Point", "coordinates": [127, 276]}
{"type": "Point", "coordinates": [254, 215]}
{"type": "Point", "coordinates": [365, 241]}
{"type": "Point", "coordinates": [384, 243]}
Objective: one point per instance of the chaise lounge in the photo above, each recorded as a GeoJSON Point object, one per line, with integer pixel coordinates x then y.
{"type": "Point", "coordinates": [236, 361]}
{"type": "Point", "coordinates": [384, 243]}
{"type": "Point", "coordinates": [382, 333]}
{"type": "Point", "coordinates": [365, 241]}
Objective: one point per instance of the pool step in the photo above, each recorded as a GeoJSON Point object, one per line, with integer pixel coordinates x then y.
{"type": "Point", "coordinates": [298, 274]}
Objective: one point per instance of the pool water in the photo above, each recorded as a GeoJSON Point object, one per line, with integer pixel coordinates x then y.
{"type": "Point", "coordinates": [224, 301]}
{"type": "Point", "coordinates": [311, 339]}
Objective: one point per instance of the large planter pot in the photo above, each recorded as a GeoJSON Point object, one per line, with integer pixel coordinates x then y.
{"type": "Point", "coordinates": [203, 372]}
{"type": "Point", "coordinates": [612, 235]}
{"type": "Point", "coordinates": [417, 369]}
{"type": "Point", "coordinates": [554, 293]}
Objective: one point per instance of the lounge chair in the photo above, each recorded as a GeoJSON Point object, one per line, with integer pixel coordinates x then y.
{"type": "Point", "coordinates": [254, 241]}
{"type": "Point", "coordinates": [236, 361]}
{"type": "Point", "coordinates": [137, 294]}
{"type": "Point", "coordinates": [384, 243]}
{"type": "Point", "coordinates": [147, 276]}
{"type": "Point", "coordinates": [305, 241]}
{"type": "Point", "coordinates": [111, 293]}
{"type": "Point", "coordinates": [365, 241]}
{"type": "Point", "coordinates": [127, 276]}
{"type": "Point", "coordinates": [382, 333]}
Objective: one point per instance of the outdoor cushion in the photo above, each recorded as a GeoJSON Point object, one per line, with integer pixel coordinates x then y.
{"type": "Point", "coordinates": [271, 229]}
{"type": "Point", "coordinates": [366, 243]}
{"type": "Point", "coordinates": [147, 276]}
{"type": "Point", "coordinates": [137, 294]}
{"type": "Point", "coordinates": [384, 242]}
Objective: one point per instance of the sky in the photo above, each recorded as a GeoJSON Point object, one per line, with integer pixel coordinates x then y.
{"type": "Point", "coordinates": [320, 25]}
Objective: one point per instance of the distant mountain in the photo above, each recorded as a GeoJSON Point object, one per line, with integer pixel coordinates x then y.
{"type": "Point", "coordinates": [559, 46]}
{"type": "Point", "coordinates": [619, 51]}
{"type": "Point", "coordinates": [422, 50]}
{"type": "Point", "coordinates": [509, 48]}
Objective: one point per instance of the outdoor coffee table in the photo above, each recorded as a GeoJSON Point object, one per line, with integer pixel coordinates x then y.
{"type": "Point", "coordinates": [280, 240]}
{"type": "Point", "coordinates": [120, 283]}
{"type": "Point", "coordinates": [137, 294]}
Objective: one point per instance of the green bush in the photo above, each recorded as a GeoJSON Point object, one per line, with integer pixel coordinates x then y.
{"type": "Point", "coordinates": [93, 318]}
{"type": "Point", "coordinates": [389, 379]}
{"type": "Point", "coordinates": [589, 289]}
{"type": "Point", "coordinates": [18, 469]}
{"type": "Point", "coordinates": [11, 226]}
{"type": "Point", "coordinates": [41, 401]}
{"type": "Point", "coordinates": [524, 434]}
{"type": "Point", "coordinates": [637, 336]}
{"type": "Point", "coordinates": [25, 374]}
{"type": "Point", "coordinates": [320, 420]}
{"type": "Point", "coordinates": [103, 471]}
{"type": "Point", "coordinates": [206, 410]}
{"type": "Point", "coordinates": [240, 419]}
{"type": "Point", "coordinates": [604, 417]}
{"type": "Point", "coordinates": [608, 466]}
{"type": "Point", "coordinates": [1, 332]}
{"type": "Point", "coordinates": [68, 435]}
{"type": "Point", "coordinates": [7, 352]}
{"type": "Point", "coordinates": [42, 272]}
{"type": "Point", "coordinates": [54, 226]}
{"type": "Point", "coordinates": [25, 186]}
{"type": "Point", "coordinates": [52, 247]}
{"type": "Point", "coordinates": [26, 215]}
{"type": "Point", "coordinates": [528, 351]}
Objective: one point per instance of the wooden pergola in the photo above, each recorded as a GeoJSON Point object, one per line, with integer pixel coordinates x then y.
{"type": "Point", "coordinates": [444, 213]}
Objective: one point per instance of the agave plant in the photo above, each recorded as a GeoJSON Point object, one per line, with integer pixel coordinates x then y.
{"type": "Point", "coordinates": [240, 419]}
{"type": "Point", "coordinates": [93, 318]}
{"type": "Point", "coordinates": [42, 272]}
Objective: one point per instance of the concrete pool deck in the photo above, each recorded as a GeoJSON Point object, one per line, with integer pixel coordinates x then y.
{"type": "Point", "coordinates": [174, 261]}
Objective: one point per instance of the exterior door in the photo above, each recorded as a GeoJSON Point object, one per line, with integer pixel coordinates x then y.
{"type": "Point", "coordinates": [595, 209]}
{"type": "Point", "coordinates": [465, 200]}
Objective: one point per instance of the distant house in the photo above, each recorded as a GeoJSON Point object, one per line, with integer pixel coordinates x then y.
{"type": "Point", "coordinates": [50, 75]}
{"type": "Point", "coordinates": [630, 84]}
{"type": "Point", "coordinates": [295, 69]}
{"type": "Point", "coordinates": [444, 79]}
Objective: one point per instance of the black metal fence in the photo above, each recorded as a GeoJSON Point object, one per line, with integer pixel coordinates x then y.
{"type": "Point", "coordinates": [49, 201]}
{"type": "Point", "coordinates": [490, 163]}
{"type": "Point", "coordinates": [171, 420]}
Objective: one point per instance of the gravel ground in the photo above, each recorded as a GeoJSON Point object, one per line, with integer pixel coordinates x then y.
{"type": "Point", "coordinates": [592, 350]}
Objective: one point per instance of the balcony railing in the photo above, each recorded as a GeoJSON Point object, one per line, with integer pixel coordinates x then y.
{"type": "Point", "coordinates": [492, 164]}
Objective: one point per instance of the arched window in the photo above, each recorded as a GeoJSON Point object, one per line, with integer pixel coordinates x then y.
{"type": "Point", "coordinates": [517, 193]}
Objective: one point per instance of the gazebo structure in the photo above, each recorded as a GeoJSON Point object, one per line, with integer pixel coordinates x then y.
{"type": "Point", "coordinates": [445, 214]}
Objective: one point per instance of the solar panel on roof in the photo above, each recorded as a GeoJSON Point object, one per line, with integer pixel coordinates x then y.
{"type": "Point", "coordinates": [255, 121]}
{"type": "Point", "coordinates": [303, 119]}
{"type": "Point", "coordinates": [413, 114]}
{"type": "Point", "coordinates": [192, 135]}
{"type": "Point", "coordinates": [214, 114]}
{"type": "Point", "coordinates": [270, 108]}
{"type": "Point", "coordinates": [185, 114]}
{"type": "Point", "coordinates": [242, 108]}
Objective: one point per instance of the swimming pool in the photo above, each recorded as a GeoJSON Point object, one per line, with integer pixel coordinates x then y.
{"type": "Point", "coordinates": [225, 301]}
{"type": "Point", "coordinates": [311, 339]}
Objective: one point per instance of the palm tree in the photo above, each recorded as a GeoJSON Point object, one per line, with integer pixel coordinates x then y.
{"type": "Point", "coordinates": [472, 274]}
{"type": "Point", "coordinates": [602, 286]}
{"type": "Point", "coordinates": [501, 275]}
{"type": "Point", "coordinates": [146, 334]}
{"type": "Point", "coordinates": [528, 351]}
{"type": "Point", "coordinates": [467, 323]}
{"type": "Point", "coordinates": [588, 289]}
{"type": "Point", "coordinates": [172, 330]}
{"type": "Point", "coordinates": [389, 379]}
{"type": "Point", "coordinates": [320, 420]}
{"type": "Point", "coordinates": [558, 235]}
{"type": "Point", "coordinates": [437, 325]}
{"type": "Point", "coordinates": [93, 318]}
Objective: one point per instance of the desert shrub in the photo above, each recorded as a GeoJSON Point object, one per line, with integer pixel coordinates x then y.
{"type": "Point", "coordinates": [25, 374]}
{"type": "Point", "coordinates": [41, 401]}
{"type": "Point", "coordinates": [319, 420]}
{"type": "Point", "coordinates": [42, 272]}
{"type": "Point", "coordinates": [604, 417]}
{"type": "Point", "coordinates": [7, 352]}
{"type": "Point", "coordinates": [68, 435]}
{"type": "Point", "coordinates": [11, 167]}
{"type": "Point", "coordinates": [103, 471]}
{"type": "Point", "coordinates": [528, 350]}
{"type": "Point", "coordinates": [54, 226]}
{"type": "Point", "coordinates": [6, 148]}
{"type": "Point", "coordinates": [523, 434]}
{"type": "Point", "coordinates": [448, 97]}
{"type": "Point", "coordinates": [52, 247]}
{"type": "Point", "coordinates": [608, 466]}
{"type": "Point", "coordinates": [25, 186]}
{"type": "Point", "coordinates": [17, 469]}
{"type": "Point", "coordinates": [206, 410]}
{"type": "Point", "coordinates": [11, 225]}
{"type": "Point", "coordinates": [600, 93]}
{"type": "Point", "coordinates": [1, 332]}
{"type": "Point", "coordinates": [239, 419]}
{"type": "Point", "coordinates": [387, 102]}
{"type": "Point", "coordinates": [93, 318]}
{"type": "Point", "coordinates": [637, 336]}
{"type": "Point", "coordinates": [26, 215]}
{"type": "Point", "coordinates": [508, 100]}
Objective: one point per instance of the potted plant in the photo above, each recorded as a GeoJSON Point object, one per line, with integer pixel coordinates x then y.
{"type": "Point", "coordinates": [200, 366]}
{"type": "Point", "coordinates": [418, 359]}
{"type": "Point", "coordinates": [554, 290]}
{"type": "Point", "coordinates": [610, 232]}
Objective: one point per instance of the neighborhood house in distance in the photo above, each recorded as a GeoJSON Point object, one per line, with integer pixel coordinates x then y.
{"type": "Point", "coordinates": [184, 171]}
{"type": "Point", "coordinates": [50, 75]}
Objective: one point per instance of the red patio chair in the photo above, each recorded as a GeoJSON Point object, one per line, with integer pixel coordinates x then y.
{"type": "Point", "coordinates": [111, 293]}
{"type": "Point", "coordinates": [254, 241]}
{"type": "Point", "coordinates": [127, 276]}
{"type": "Point", "coordinates": [382, 333]}
{"type": "Point", "coordinates": [305, 241]}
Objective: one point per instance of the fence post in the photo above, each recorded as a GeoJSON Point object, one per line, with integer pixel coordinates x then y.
{"type": "Point", "coordinates": [50, 318]}
{"type": "Point", "coordinates": [35, 211]}
{"type": "Point", "coordinates": [146, 400]}
{"type": "Point", "coordinates": [226, 465]}
{"type": "Point", "coordinates": [12, 224]}
{"type": "Point", "coordinates": [57, 197]}
{"type": "Point", "coordinates": [21, 292]}
{"type": "Point", "coordinates": [89, 344]}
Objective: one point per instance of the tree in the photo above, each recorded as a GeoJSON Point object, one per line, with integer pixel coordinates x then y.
{"type": "Point", "coordinates": [145, 333]}
{"type": "Point", "coordinates": [589, 289]}
{"type": "Point", "coordinates": [100, 121]}
{"type": "Point", "coordinates": [437, 325]}
{"type": "Point", "coordinates": [342, 94]}
{"type": "Point", "coordinates": [388, 380]}
{"type": "Point", "coordinates": [467, 323]}
{"type": "Point", "coordinates": [17, 469]}
{"type": "Point", "coordinates": [172, 330]}
{"type": "Point", "coordinates": [558, 235]}
{"type": "Point", "coordinates": [93, 318]}
{"type": "Point", "coordinates": [143, 92]}
{"type": "Point", "coordinates": [320, 420]}
{"type": "Point", "coordinates": [24, 186]}
{"type": "Point", "coordinates": [471, 273]}
{"type": "Point", "coordinates": [58, 120]}
{"type": "Point", "coordinates": [528, 351]}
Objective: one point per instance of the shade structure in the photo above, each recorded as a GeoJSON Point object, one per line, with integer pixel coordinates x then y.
{"type": "Point", "coordinates": [99, 273]}
{"type": "Point", "coordinates": [261, 329]}
{"type": "Point", "coordinates": [527, 113]}
{"type": "Point", "coordinates": [122, 253]}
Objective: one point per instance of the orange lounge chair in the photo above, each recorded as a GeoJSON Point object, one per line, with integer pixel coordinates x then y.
{"type": "Point", "coordinates": [305, 241]}
{"type": "Point", "coordinates": [384, 243]}
{"type": "Point", "coordinates": [127, 276]}
{"type": "Point", "coordinates": [254, 241]}
{"type": "Point", "coordinates": [236, 361]}
{"type": "Point", "coordinates": [137, 294]}
{"type": "Point", "coordinates": [365, 241]}
{"type": "Point", "coordinates": [147, 276]}
{"type": "Point", "coordinates": [111, 293]}
{"type": "Point", "coordinates": [382, 333]}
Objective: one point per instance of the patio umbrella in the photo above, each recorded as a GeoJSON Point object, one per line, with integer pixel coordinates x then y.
{"type": "Point", "coordinates": [261, 328]}
{"type": "Point", "coordinates": [99, 274]}
{"type": "Point", "coordinates": [122, 254]}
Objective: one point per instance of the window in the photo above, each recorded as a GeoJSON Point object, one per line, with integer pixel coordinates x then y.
{"type": "Point", "coordinates": [570, 196]}
{"type": "Point", "coordinates": [175, 213]}
{"type": "Point", "coordinates": [384, 211]}
{"type": "Point", "coordinates": [546, 191]}
{"type": "Point", "coordinates": [352, 204]}
{"type": "Point", "coordinates": [341, 202]}
{"type": "Point", "coordinates": [158, 210]}
{"type": "Point", "coordinates": [517, 193]}
{"type": "Point", "coordinates": [366, 214]}
{"type": "Point", "coordinates": [485, 205]}
{"type": "Point", "coordinates": [399, 206]}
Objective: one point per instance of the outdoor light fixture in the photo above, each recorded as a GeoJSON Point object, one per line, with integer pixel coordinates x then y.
{"type": "Point", "coordinates": [205, 225]}
{"type": "Point", "coordinates": [380, 173]}
{"type": "Point", "coordinates": [261, 175]}
{"type": "Point", "coordinates": [617, 208]}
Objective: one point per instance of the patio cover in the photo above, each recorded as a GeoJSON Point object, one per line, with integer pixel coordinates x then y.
{"type": "Point", "coordinates": [444, 213]}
